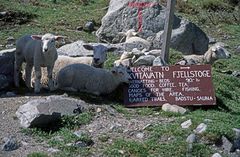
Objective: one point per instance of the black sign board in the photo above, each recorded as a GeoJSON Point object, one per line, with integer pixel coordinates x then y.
{"type": "Point", "coordinates": [179, 85]}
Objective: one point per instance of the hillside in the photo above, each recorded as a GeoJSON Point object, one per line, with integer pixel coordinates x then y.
{"type": "Point", "coordinates": [114, 129]}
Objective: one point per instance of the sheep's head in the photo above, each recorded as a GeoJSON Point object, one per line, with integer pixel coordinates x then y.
{"type": "Point", "coordinates": [48, 41]}
{"type": "Point", "coordinates": [220, 53]}
{"type": "Point", "coordinates": [99, 54]}
{"type": "Point", "coordinates": [121, 73]}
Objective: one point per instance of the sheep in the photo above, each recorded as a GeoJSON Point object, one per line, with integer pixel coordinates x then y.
{"type": "Point", "coordinates": [98, 60]}
{"type": "Point", "coordinates": [214, 53]}
{"type": "Point", "coordinates": [38, 51]}
{"type": "Point", "coordinates": [85, 78]}
{"type": "Point", "coordinates": [99, 54]}
{"type": "Point", "coordinates": [132, 41]}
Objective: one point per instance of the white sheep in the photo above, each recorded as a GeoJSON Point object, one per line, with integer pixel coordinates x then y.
{"type": "Point", "coordinates": [98, 60]}
{"type": "Point", "coordinates": [99, 54]}
{"type": "Point", "coordinates": [85, 78]}
{"type": "Point", "coordinates": [38, 51]}
{"type": "Point", "coordinates": [134, 41]}
{"type": "Point", "coordinates": [214, 53]}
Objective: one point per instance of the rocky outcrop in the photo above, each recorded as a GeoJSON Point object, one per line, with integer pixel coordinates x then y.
{"type": "Point", "coordinates": [121, 16]}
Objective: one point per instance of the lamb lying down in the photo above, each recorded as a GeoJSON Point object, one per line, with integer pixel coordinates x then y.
{"type": "Point", "coordinates": [214, 53]}
{"type": "Point", "coordinates": [85, 78]}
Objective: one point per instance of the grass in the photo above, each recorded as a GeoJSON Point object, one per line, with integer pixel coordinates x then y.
{"type": "Point", "coordinates": [64, 16]}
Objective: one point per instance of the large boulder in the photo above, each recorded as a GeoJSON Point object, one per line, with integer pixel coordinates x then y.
{"type": "Point", "coordinates": [43, 112]}
{"type": "Point", "coordinates": [122, 17]}
{"type": "Point", "coordinates": [6, 68]}
{"type": "Point", "coordinates": [76, 49]}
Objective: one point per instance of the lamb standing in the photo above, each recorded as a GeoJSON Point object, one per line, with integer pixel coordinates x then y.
{"type": "Point", "coordinates": [85, 78]}
{"type": "Point", "coordinates": [38, 51]}
{"type": "Point", "coordinates": [214, 53]}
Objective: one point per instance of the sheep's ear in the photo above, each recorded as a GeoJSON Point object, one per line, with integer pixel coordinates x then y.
{"type": "Point", "coordinates": [59, 38]}
{"type": "Point", "coordinates": [36, 37]}
{"type": "Point", "coordinates": [88, 47]}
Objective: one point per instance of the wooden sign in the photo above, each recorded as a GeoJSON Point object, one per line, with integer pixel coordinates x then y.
{"type": "Point", "coordinates": [179, 85]}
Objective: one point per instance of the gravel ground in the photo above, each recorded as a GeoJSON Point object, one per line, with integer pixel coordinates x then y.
{"type": "Point", "coordinates": [11, 127]}
{"type": "Point", "coordinates": [107, 121]}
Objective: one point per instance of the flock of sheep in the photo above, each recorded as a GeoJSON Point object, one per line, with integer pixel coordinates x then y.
{"type": "Point", "coordinates": [86, 74]}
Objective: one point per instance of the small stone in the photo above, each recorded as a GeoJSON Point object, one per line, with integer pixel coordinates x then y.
{"type": "Point", "coordinates": [10, 144]}
{"type": "Point", "coordinates": [207, 120]}
{"type": "Point", "coordinates": [238, 50]}
{"type": "Point", "coordinates": [69, 144]}
{"type": "Point", "coordinates": [216, 155]}
{"type": "Point", "coordinates": [237, 132]}
{"type": "Point", "coordinates": [89, 26]}
{"type": "Point", "coordinates": [79, 133]}
{"type": "Point", "coordinates": [99, 110]}
{"type": "Point", "coordinates": [84, 143]}
{"type": "Point", "coordinates": [186, 124]}
{"type": "Point", "coordinates": [212, 40]}
{"type": "Point", "coordinates": [226, 144]}
{"type": "Point", "coordinates": [10, 40]}
{"type": "Point", "coordinates": [53, 150]}
{"type": "Point", "coordinates": [191, 138]}
{"type": "Point", "coordinates": [140, 135]}
{"type": "Point", "coordinates": [3, 13]}
{"type": "Point", "coordinates": [173, 108]}
{"type": "Point", "coordinates": [24, 143]}
{"type": "Point", "coordinates": [201, 128]}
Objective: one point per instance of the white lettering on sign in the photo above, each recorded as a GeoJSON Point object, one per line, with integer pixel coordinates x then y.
{"type": "Point", "coordinates": [179, 85]}
{"type": "Point", "coordinates": [189, 74]}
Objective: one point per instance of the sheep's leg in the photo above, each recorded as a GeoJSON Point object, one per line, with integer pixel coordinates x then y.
{"type": "Point", "coordinates": [28, 72]}
{"type": "Point", "coordinates": [50, 80]}
{"type": "Point", "coordinates": [38, 76]}
{"type": "Point", "coordinates": [17, 67]}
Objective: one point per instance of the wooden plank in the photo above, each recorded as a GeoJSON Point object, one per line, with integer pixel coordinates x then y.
{"type": "Point", "coordinates": [168, 30]}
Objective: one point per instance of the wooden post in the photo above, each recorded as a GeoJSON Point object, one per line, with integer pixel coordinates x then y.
{"type": "Point", "coordinates": [168, 30]}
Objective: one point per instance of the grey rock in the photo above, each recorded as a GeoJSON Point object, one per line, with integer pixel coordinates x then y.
{"type": "Point", "coordinates": [236, 145]}
{"type": "Point", "coordinates": [155, 52]}
{"type": "Point", "coordinates": [10, 40]}
{"type": "Point", "coordinates": [238, 50]}
{"type": "Point", "coordinates": [186, 36]}
{"type": "Point", "coordinates": [76, 49]}
{"type": "Point", "coordinates": [201, 128]}
{"type": "Point", "coordinates": [191, 138]}
{"type": "Point", "coordinates": [146, 60]}
{"type": "Point", "coordinates": [188, 39]}
{"type": "Point", "coordinates": [216, 155]}
{"type": "Point", "coordinates": [41, 112]}
{"type": "Point", "coordinates": [237, 132]}
{"type": "Point", "coordinates": [236, 73]}
{"type": "Point", "coordinates": [79, 133]}
{"type": "Point", "coordinates": [80, 28]}
{"type": "Point", "coordinates": [84, 143]}
{"type": "Point", "coordinates": [3, 13]}
{"type": "Point", "coordinates": [173, 108]}
{"type": "Point", "coordinates": [89, 26]}
{"type": "Point", "coordinates": [226, 144]}
{"type": "Point", "coordinates": [140, 135]}
{"type": "Point", "coordinates": [10, 144]}
{"type": "Point", "coordinates": [186, 124]}
{"type": "Point", "coordinates": [53, 150]}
